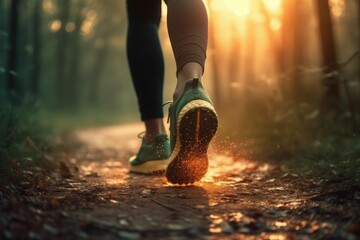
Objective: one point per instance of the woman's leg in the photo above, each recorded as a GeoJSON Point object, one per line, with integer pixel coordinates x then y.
{"type": "Point", "coordinates": [146, 62]}
{"type": "Point", "coordinates": [193, 119]}
{"type": "Point", "coordinates": [188, 31]}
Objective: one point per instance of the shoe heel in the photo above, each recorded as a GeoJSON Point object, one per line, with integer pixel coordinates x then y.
{"type": "Point", "coordinates": [196, 129]}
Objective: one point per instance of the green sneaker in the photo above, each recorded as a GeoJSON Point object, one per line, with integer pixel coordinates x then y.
{"type": "Point", "coordinates": [151, 158]}
{"type": "Point", "coordinates": [193, 123]}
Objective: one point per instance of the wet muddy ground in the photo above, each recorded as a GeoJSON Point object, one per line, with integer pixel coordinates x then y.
{"type": "Point", "coordinates": [91, 195]}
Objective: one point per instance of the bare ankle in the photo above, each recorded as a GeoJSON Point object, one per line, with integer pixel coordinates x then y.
{"type": "Point", "coordinates": [153, 127]}
{"type": "Point", "coordinates": [187, 72]}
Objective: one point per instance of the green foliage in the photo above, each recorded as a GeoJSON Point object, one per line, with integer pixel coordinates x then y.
{"type": "Point", "coordinates": [22, 138]}
{"type": "Point", "coordinates": [333, 156]}
{"type": "Point", "coordinates": [65, 120]}
{"type": "Point", "coordinates": [297, 135]}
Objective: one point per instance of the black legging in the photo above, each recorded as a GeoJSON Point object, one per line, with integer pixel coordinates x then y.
{"type": "Point", "coordinates": [188, 31]}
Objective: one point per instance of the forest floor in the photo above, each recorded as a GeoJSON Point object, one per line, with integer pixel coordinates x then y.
{"type": "Point", "coordinates": [91, 195]}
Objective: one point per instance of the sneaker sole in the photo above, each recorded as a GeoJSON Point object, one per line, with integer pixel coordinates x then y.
{"type": "Point", "coordinates": [150, 167]}
{"type": "Point", "coordinates": [196, 126]}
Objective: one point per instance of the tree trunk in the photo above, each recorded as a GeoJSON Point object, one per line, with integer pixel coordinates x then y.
{"type": "Point", "coordinates": [62, 44]}
{"type": "Point", "coordinates": [358, 4]}
{"type": "Point", "coordinates": [104, 31]}
{"type": "Point", "coordinates": [331, 81]}
{"type": "Point", "coordinates": [299, 46]}
{"type": "Point", "coordinates": [37, 48]}
{"type": "Point", "coordinates": [12, 84]}
{"type": "Point", "coordinates": [288, 54]}
{"type": "Point", "coordinates": [234, 66]}
{"type": "Point", "coordinates": [250, 52]}
{"type": "Point", "coordinates": [96, 76]}
{"type": "Point", "coordinates": [277, 48]}
{"type": "Point", "coordinates": [72, 81]}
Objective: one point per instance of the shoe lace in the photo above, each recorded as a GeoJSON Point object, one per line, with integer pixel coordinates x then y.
{"type": "Point", "coordinates": [164, 104]}
{"type": "Point", "coordinates": [141, 135]}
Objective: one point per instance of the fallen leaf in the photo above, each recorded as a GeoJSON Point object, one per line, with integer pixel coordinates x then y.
{"type": "Point", "coordinates": [64, 170]}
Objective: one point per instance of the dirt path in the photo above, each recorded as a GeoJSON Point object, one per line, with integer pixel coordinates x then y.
{"type": "Point", "coordinates": [92, 196]}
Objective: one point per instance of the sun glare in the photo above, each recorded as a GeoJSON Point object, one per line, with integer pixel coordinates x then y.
{"type": "Point", "coordinates": [275, 24]}
{"type": "Point", "coordinates": [70, 27]}
{"type": "Point", "coordinates": [55, 25]}
{"type": "Point", "coordinates": [274, 6]}
{"type": "Point", "coordinates": [49, 6]}
{"type": "Point", "coordinates": [246, 8]}
{"type": "Point", "coordinates": [337, 7]}
{"type": "Point", "coordinates": [240, 8]}
{"type": "Point", "coordinates": [88, 23]}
